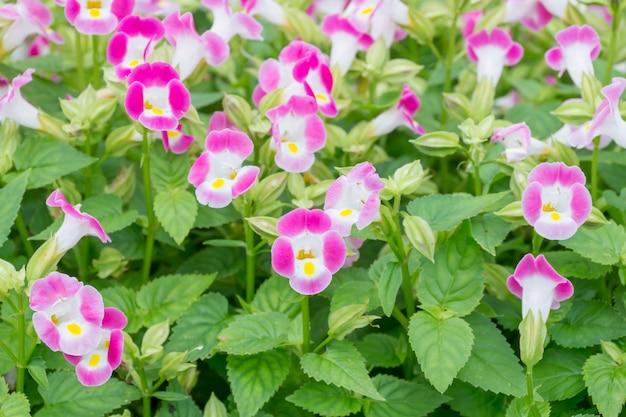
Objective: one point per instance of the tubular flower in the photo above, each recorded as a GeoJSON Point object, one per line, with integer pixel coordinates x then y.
{"type": "Point", "coordinates": [578, 47]}
{"type": "Point", "coordinates": [68, 314]}
{"type": "Point", "coordinates": [297, 133]}
{"type": "Point", "coordinates": [270, 10]}
{"type": "Point", "coordinates": [491, 52]}
{"type": "Point", "coordinates": [401, 115]}
{"type": "Point", "coordinates": [607, 120]}
{"type": "Point", "coordinates": [518, 142]}
{"type": "Point", "coordinates": [345, 39]}
{"type": "Point", "coordinates": [307, 251]}
{"type": "Point", "coordinates": [13, 106]}
{"type": "Point", "coordinates": [97, 17]}
{"type": "Point", "coordinates": [539, 286]}
{"type": "Point", "coordinates": [556, 201]}
{"type": "Point", "coordinates": [95, 367]}
{"type": "Point", "coordinates": [354, 199]}
{"type": "Point", "coordinates": [379, 18]}
{"type": "Point", "coordinates": [75, 224]}
{"type": "Point", "coordinates": [227, 24]}
{"type": "Point", "coordinates": [156, 97]}
{"type": "Point", "coordinates": [218, 174]}
{"type": "Point", "coordinates": [135, 39]}
{"type": "Point", "coordinates": [27, 17]}
{"type": "Point", "coordinates": [176, 141]}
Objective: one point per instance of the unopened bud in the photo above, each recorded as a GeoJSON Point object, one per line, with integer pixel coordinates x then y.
{"type": "Point", "coordinates": [121, 140]}
{"type": "Point", "coordinates": [270, 188]}
{"type": "Point", "coordinates": [238, 111]}
{"type": "Point", "coordinates": [437, 143]}
{"type": "Point", "coordinates": [123, 185]}
{"type": "Point", "coordinates": [532, 336]}
{"type": "Point", "coordinates": [421, 236]}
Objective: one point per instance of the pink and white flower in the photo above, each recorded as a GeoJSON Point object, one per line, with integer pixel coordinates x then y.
{"type": "Point", "coordinates": [227, 24]}
{"type": "Point", "coordinates": [297, 133]}
{"type": "Point", "coordinates": [518, 142]}
{"type": "Point", "coordinates": [345, 41]}
{"type": "Point", "coordinates": [354, 199]}
{"type": "Point", "coordinates": [219, 120]}
{"type": "Point", "coordinates": [176, 141]}
{"type": "Point", "coordinates": [607, 120]}
{"type": "Point", "coordinates": [327, 7]}
{"type": "Point", "coordinates": [135, 39]}
{"type": "Point", "coordinates": [13, 106]}
{"type": "Point", "coordinates": [97, 17]}
{"type": "Point", "coordinates": [68, 314]}
{"type": "Point", "coordinates": [578, 47]}
{"type": "Point", "coordinates": [27, 17]}
{"type": "Point", "coordinates": [491, 52]}
{"type": "Point", "coordinates": [539, 286]}
{"type": "Point", "coordinates": [470, 20]}
{"type": "Point", "coordinates": [556, 201]}
{"type": "Point", "coordinates": [155, 7]}
{"type": "Point", "coordinates": [307, 251]}
{"type": "Point", "coordinates": [531, 13]}
{"type": "Point", "coordinates": [270, 10]}
{"type": "Point", "coordinates": [400, 115]}
{"type": "Point", "coordinates": [156, 97]}
{"type": "Point", "coordinates": [379, 18]}
{"type": "Point", "coordinates": [353, 245]}
{"type": "Point", "coordinates": [218, 174]}
{"type": "Point", "coordinates": [94, 368]}
{"type": "Point", "coordinates": [75, 224]}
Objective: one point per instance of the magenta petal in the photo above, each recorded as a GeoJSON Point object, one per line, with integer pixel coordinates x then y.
{"type": "Point", "coordinates": [154, 122]}
{"type": "Point", "coordinates": [581, 203]}
{"type": "Point", "coordinates": [47, 331]}
{"type": "Point", "coordinates": [335, 191]}
{"type": "Point", "coordinates": [283, 259]}
{"type": "Point", "coordinates": [514, 54]}
{"type": "Point", "coordinates": [269, 75]}
{"type": "Point", "coordinates": [554, 59]}
{"type": "Point", "coordinates": [113, 319]}
{"type": "Point", "coordinates": [116, 348]}
{"type": "Point", "coordinates": [116, 50]}
{"type": "Point", "coordinates": [369, 212]}
{"type": "Point", "coordinates": [91, 305]}
{"type": "Point", "coordinates": [334, 252]}
{"type": "Point", "coordinates": [199, 170]}
{"type": "Point", "coordinates": [179, 98]}
{"type": "Point", "coordinates": [514, 286]}
{"type": "Point", "coordinates": [532, 203]}
{"type": "Point", "coordinates": [318, 222]}
{"type": "Point", "coordinates": [234, 141]}
{"type": "Point", "coordinates": [245, 179]}
{"type": "Point", "coordinates": [311, 286]}
{"type": "Point", "coordinates": [93, 377]}
{"type": "Point", "coordinates": [47, 291]}
{"type": "Point", "coordinates": [73, 359]}
{"type": "Point", "coordinates": [292, 223]}
{"type": "Point", "coordinates": [134, 100]}
{"type": "Point", "coordinates": [314, 133]}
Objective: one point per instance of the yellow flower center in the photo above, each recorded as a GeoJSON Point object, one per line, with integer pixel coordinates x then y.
{"type": "Point", "coordinates": [309, 268]}
{"type": "Point", "coordinates": [321, 97]}
{"type": "Point", "coordinates": [94, 8]}
{"type": "Point", "coordinates": [302, 254]}
{"type": "Point", "coordinates": [293, 147]}
{"type": "Point", "coordinates": [555, 216]}
{"type": "Point", "coordinates": [134, 63]}
{"type": "Point", "coordinates": [74, 329]}
{"type": "Point", "coordinates": [345, 212]}
{"type": "Point", "coordinates": [94, 360]}
{"type": "Point", "coordinates": [173, 134]}
{"type": "Point", "coordinates": [157, 111]}
{"type": "Point", "coordinates": [548, 208]}
{"type": "Point", "coordinates": [54, 319]}
{"type": "Point", "coordinates": [218, 183]}
{"type": "Point", "coordinates": [367, 11]}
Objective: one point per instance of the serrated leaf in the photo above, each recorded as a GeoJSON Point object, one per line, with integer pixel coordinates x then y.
{"type": "Point", "coordinates": [559, 376]}
{"type": "Point", "coordinates": [223, 261]}
{"type": "Point", "coordinates": [254, 333]}
{"type": "Point", "coordinates": [400, 398]}
{"type": "Point", "coordinates": [445, 211]}
{"type": "Point", "coordinates": [327, 400]}
{"type": "Point", "coordinates": [197, 329]}
{"type": "Point", "coordinates": [176, 210]}
{"type": "Point", "coordinates": [37, 370]}
{"type": "Point", "coordinates": [381, 350]}
{"type": "Point", "coordinates": [169, 296]}
{"type": "Point", "coordinates": [471, 402]}
{"type": "Point", "coordinates": [587, 324]}
{"type": "Point", "coordinates": [211, 217]}
{"type": "Point", "coordinates": [275, 294]}
{"type": "Point", "coordinates": [126, 300]}
{"type": "Point", "coordinates": [455, 281]}
{"type": "Point", "coordinates": [388, 283]}
{"type": "Point", "coordinates": [520, 407]}
{"type": "Point", "coordinates": [606, 382]}
{"type": "Point", "coordinates": [489, 231]}
{"type": "Point", "coordinates": [14, 405]}
{"type": "Point", "coordinates": [66, 397]}
{"type": "Point", "coordinates": [573, 265]}
{"type": "Point", "coordinates": [178, 407]}
{"type": "Point", "coordinates": [492, 365]}
{"type": "Point", "coordinates": [168, 171]}
{"type": "Point", "coordinates": [255, 378]}
{"type": "Point", "coordinates": [442, 347]}
{"type": "Point", "coordinates": [11, 197]}
{"type": "Point", "coordinates": [602, 245]}
{"type": "Point", "coordinates": [341, 365]}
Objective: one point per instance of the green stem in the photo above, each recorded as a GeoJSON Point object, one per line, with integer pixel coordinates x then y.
{"type": "Point", "coordinates": [147, 397]}
{"type": "Point", "coordinates": [7, 350]}
{"type": "Point", "coordinates": [21, 343]}
{"type": "Point", "coordinates": [326, 341]}
{"type": "Point", "coordinates": [449, 57]}
{"type": "Point", "coordinates": [88, 172]}
{"type": "Point", "coordinates": [96, 63]}
{"type": "Point", "coordinates": [477, 183]}
{"type": "Point", "coordinates": [397, 314]}
{"type": "Point", "coordinates": [306, 325]}
{"type": "Point", "coordinates": [611, 56]}
{"type": "Point", "coordinates": [534, 411]}
{"type": "Point", "coordinates": [250, 253]}
{"type": "Point", "coordinates": [23, 231]}
{"type": "Point", "coordinates": [147, 259]}
{"type": "Point", "coordinates": [594, 169]}
{"type": "Point", "coordinates": [407, 285]}
{"type": "Point", "coordinates": [537, 241]}
{"type": "Point", "coordinates": [80, 68]}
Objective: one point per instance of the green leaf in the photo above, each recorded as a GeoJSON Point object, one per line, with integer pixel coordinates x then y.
{"type": "Point", "coordinates": [400, 398]}
{"type": "Point", "coordinates": [325, 400]}
{"type": "Point", "coordinates": [223, 261]}
{"type": "Point", "coordinates": [537, 115]}
{"type": "Point", "coordinates": [602, 245]}
{"type": "Point", "coordinates": [214, 407]}
{"type": "Point", "coordinates": [52, 63]}
{"type": "Point", "coordinates": [48, 160]}
{"type": "Point", "coordinates": [37, 370]}
{"type": "Point", "coordinates": [178, 407]}
{"type": "Point", "coordinates": [254, 379]}
{"type": "Point", "coordinates": [14, 405]}
{"type": "Point", "coordinates": [520, 407]}
{"type": "Point", "coordinates": [168, 171]}
{"type": "Point", "coordinates": [492, 365]}
{"type": "Point", "coordinates": [11, 197]}
{"type": "Point", "coordinates": [197, 329]}
{"type": "Point", "coordinates": [455, 281]}
{"type": "Point", "coordinates": [559, 376]}
{"type": "Point", "coordinates": [573, 265]}
{"type": "Point", "coordinates": [446, 211]}
{"type": "Point", "coordinates": [169, 296]}
{"type": "Point", "coordinates": [211, 217]}
{"type": "Point", "coordinates": [275, 294]}
{"type": "Point", "coordinates": [489, 231]}
{"type": "Point", "coordinates": [68, 397]}
{"type": "Point", "coordinates": [199, 100]}
{"type": "Point", "coordinates": [442, 347]}
{"type": "Point", "coordinates": [388, 278]}
{"type": "Point", "coordinates": [254, 333]}
{"type": "Point", "coordinates": [170, 396]}
{"type": "Point", "coordinates": [382, 350]}
{"type": "Point", "coordinates": [587, 324]}
{"type": "Point", "coordinates": [471, 402]}
{"type": "Point", "coordinates": [341, 365]}
{"type": "Point", "coordinates": [176, 210]}
{"type": "Point", "coordinates": [126, 300]}
{"type": "Point", "coordinates": [606, 382]}
{"type": "Point", "coordinates": [107, 208]}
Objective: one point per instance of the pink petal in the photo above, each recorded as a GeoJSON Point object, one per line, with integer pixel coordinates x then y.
{"type": "Point", "coordinates": [91, 305]}
{"type": "Point", "coordinates": [532, 203]}
{"type": "Point", "coordinates": [113, 319]}
{"type": "Point", "coordinates": [311, 285]}
{"type": "Point", "coordinates": [47, 331]}
{"type": "Point", "coordinates": [283, 259]}
{"type": "Point", "coordinates": [581, 203]}
{"type": "Point", "coordinates": [199, 170]}
{"type": "Point", "coordinates": [245, 179]}
{"type": "Point", "coordinates": [334, 251]}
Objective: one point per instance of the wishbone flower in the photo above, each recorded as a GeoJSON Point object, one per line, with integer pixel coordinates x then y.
{"type": "Point", "coordinates": [491, 51]}
{"type": "Point", "coordinates": [518, 142]}
{"type": "Point", "coordinates": [97, 17]}
{"type": "Point", "coordinates": [578, 47]}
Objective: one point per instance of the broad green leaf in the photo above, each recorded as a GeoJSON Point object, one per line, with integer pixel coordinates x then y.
{"type": "Point", "coordinates": [445, 211]}
{"type": "Point", "coordinates": [537, 116]}
{"type": "Point", "coordinates": [559, 376]}
{"type": "Point", "coordinates": [211, 217]}
{"type": "Point", "coordinates": [492, 366]}
{"type": "Point", "coordinates": [382, 350]}
{"type": "Point", "coordinates": [388, 279]}
{"type": "Point", "coordinates": [602, 245]}
{"type": "Point", "coordinates": [254, 333]}
{"type": "Point", "coordinates": [403, 398]}
{"type": "Point", "coordinates": [68, 397]}
{"type": "Point", "coordinates": [325, 400]}
{"type": "Point", "coordinates": [11, 197]}
{"type": "Point", "coordinates": [573, 265]}
{"type": "Point", "coordinates": [48, 160]}
{"type": "Point", "coordinates": [341, 365]}
{"type": "Point", "coordinates": [169, 296]}
{"type": "Point", "coordinates": [275, 294]}
{"type": "Point", "coordinates": [455, 281]}
{"type": "Point", "coordinates": [126, 300]}
{"type": "Point", "coordinates": [14, 405]}
{"type": "Point", "coordinates": [587, 324]}
{"type": "Point", "coordinates": [168, 171]}
{"type": "Point", "coordinates": [606, 382]}
{"type": "Point", "coordinates": [471, 402]}
{"type": "Point", "coordinates": [489, 231]}
{"type": "Point", "coordinates": [37, 370]}
{"type": "Point", "coordinates": [255, 378]}
{"type": "Point", "coordinates": [197, 329]}
{"type": "Point", "coordinates": [178, 407]}
{"type": "Point", "coordinates": [201, 99]}
{"type": "Point", "coordinates": [442, 347]}
{"type": "Point", "coordinates": [520, 407]}
{"type": "Point", "coordinates": [222, 261]}
{"type": "Point", "coordinates": [42, 63]}
{"type": "Point", "coordinates": [176, 210]}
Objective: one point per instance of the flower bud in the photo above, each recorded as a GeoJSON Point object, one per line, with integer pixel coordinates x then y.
{"type": "Point", "coordinates": [399, 71]}
{"type": "Point", "coordinates": [123, 185]}
{"type": "Point", "coordinates": [512, 213]}
{"type": "Point", "coordinates": [44, 260]}
{"type": "Point", "coordinates": [8, 144]}
{"type": "Point", "coordinates": [437, 143]}
{"type": "Point", "coordinates": [215, 408]}
{"type": "Point", "coordinates": [574, 112]}
{"type": "Point", "coordinates": [264, 226]}
{"type": "Point", "coordinates": [409, 177]}
{"type": "Point", "coordinates": [269, 189]}
{"type": "Point", "coordinates": [378, 54]}
{"type": "Point", "coordinates": [152, 342]}
{"type": "Point", "coordinates": [120, 140]}
{"type": "Point", "coordinates": [188, 378]}
{"type": "Point", "coordinates": [53, 127]}
{"type": "Point", "coordinates": [238, 111]}
{"type": "Point", "coordinates": [482, 100]}
{"type": "Point", "coordinates": [532, 336]}
{"type": "Point", "coordinates": [10, 279]}
{"type": "Point", "coordinates": [110, 263]}
{"type": "Point", "coordinates": [173, 364]}
{"type": "Point", "coordinates": [457, 105]}
{"type": "Point", "coordinates": [420, 26]}
{"type": "Point", "coordinates": [590, 89]}
{"type": "Point", "coordinates": [421, 236]}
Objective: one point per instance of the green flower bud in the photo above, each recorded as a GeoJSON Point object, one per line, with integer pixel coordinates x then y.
{"type": "Point", "coordinates": [482, 100]}
{"type": "Point", "coordinates": [574, 112]}
{"type": "Point", "coordinates": [265, 227]}
{"type": "Point", "coordinates": [420, 26]}
{"type": "Point", "coordinates": [9, 141]}
{"type": "Point", "coordinates": [10, 279]}
{"type": "Point", "coordinates": [152, 342]}
{"type": "Point", "coordinates": [271, 100]}
{"type": "Point", "coordinates": [269, 189]}
{"type": "Point", "coordinates": [532, 336]}
{"type": "Point", "coordinates": [561, 152]}
{"type": "Point", "coordinates": [377, 55]}
{"type": "Point", "coordinates": [123, 185]}
{"type": "Point", "coordinates": [421, 236]}
{"type": "Point", "coordinates": [399, 71]}
{"type": "Point", "coordinates": [120, 140]}
{"type": "Point", "coordinates": [457, 105]}
{"type": "Point", "coordinates": [110, 263]}
{"type": "Point", "coordinates": [188, 378]}
{"type": "Point", "coordinates": [53, 127]}
{"type": "Point", "coordinates": [437, 143]}
{"type": "Point", "coordinates": [173, 364]}
{"type": "Point", "coordinates": [215, 408]}
{"type": "Point", "coordinates": [590, 89]}
{"type": "Point", "coordinates": [238, 111]}
{"type": "Point", "coordinates": [512, 213]}
{"type": "Point", "coordinates": [44, 260]}
{"type": "Point", "coordinates": [346, 319]}
{"type": "Point", "coordinates": [299, 24]}
{"type": "Point", "coordinates": [409, 177]}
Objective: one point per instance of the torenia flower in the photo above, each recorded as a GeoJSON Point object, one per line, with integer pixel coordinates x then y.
{"type": "Point", "coordinates": [556, 201]}
{"type": "Point", "coordinates": [578, 47]}
{"type": "Point", "coordinates": [94, 368]}
{"type": "Point", "coordinates": [539, 286]}
{"type": "Point", "coordinates": [354, 199]}
{"type": "Point", "coordinates": [297, 133]}
{"type": "Point", "coordinates": [218, 174]}
{"type": "Point", "coordinates": [97, 17]}
{"type": "Point", "coordinates": [270, 10]}
{"type": "Point", "coordinates": [518, 142]}
{"type": "Point", "coordinates": [28, 17]}
{"type": "Point", "coordinates": [156, 97]}
{"type": "Point", "coordinates": [307, 252]}
{"type": "Point", "coordinates": [176, 141]}
{"type": "Point", "coordinates": [400, 115]}
{"type": "Point", "coordinates": [607, 120]}
{"type": "Point", "coordinates": [68, 314]}
{"type": "Point", "coordinates": [227, 24]}
{"type": "Point", "coordinates": [155, 7]}
{"type": "Point", "coordinates": [75, 224]}
{"type": "Point", "coordinates": [470, 20]}
{"type": "Point", "coordinates": [491, 52]}
{"type": "Point", "coordinates": [13, 106]}
{"type": "Point", "coordinates": [531, 13]}
{"type": "Point", "coordinates": [345, 39]}
{"type": "Point", "coordinates": [219, 120]}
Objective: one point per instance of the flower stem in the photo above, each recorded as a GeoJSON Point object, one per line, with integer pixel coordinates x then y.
{"type": "Point", "coordinates": [80, 68]}
{"type": "Point", "coordinates": [537, 241]}
{"type": "Point", "coordinates": [306, 325]}
{"type": "Point", "coordinates": [7, 350]}
{"type": "Point", "coordinates": [594, 169]}
{"type": "Point", "coordinates": [449, 57]}
{"type": "Point", "coordinates": [250, 254]}
{"type": "Point", "coordinates": [533, 411]}
{"type": "Point", "coordinates": [610, 60]}
{"type": "Point", "coordinates": [147, 411]}
{"type": "Point", "coordinates": [326, 341]}
{"type": "Point", "coordinates": [23, 231]}
{"type": "Point", "coordinates": [88, 172]}
{"type": "Point", "coordinates": [96, 63]}
{"type": "Point", "coordinates": [147, 259]}
{"type": "Point", "coordinates": [21, 343]}
{"type": "Point", "coordinates": [397, 314]}
{"type": "Point", "coordinates": [477, 182]}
